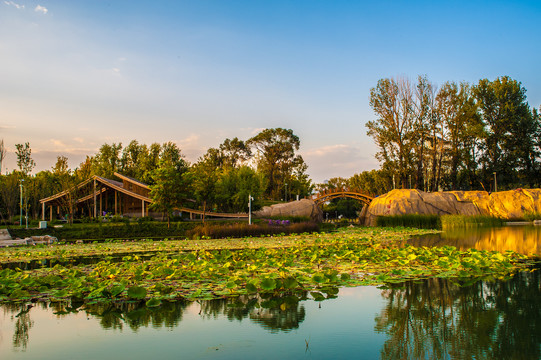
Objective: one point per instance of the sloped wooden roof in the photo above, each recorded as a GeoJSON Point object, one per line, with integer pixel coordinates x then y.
{"type": "Point", "coordinates": [132, 180]}
{"type": "Point", "coordinates": [116, 185]}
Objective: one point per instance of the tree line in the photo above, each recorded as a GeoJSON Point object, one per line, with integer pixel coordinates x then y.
{"type": "Point", "coordinates": [265, 166]}
{"type": "Point", "coordinates": [458, 136]}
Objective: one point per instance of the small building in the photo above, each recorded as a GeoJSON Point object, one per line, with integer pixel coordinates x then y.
{"type": "Point", "coordinates": [98, 196]}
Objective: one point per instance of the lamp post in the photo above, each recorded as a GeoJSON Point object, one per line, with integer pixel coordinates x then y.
{"type": "Point", "coordinates": [495, 183]}
{"type": "Point", "coordinates": [286, 192]}
{"type": "Point", "coordinates": [250, 198]}
{"type": "Point", "coordinates": [21, 204]}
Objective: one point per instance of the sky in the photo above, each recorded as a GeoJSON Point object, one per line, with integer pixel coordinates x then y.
{"type": "Point", "coordinates": [77, 74]}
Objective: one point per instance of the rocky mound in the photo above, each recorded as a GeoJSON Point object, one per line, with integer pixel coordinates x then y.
{"type": "Point", "coordinates": [303, 207]}
{"type": "Point", "coordinates": [505, 204]}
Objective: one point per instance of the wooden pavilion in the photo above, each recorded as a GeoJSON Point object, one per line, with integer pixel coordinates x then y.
{"type": "Point", "coordinates": [98, 195]}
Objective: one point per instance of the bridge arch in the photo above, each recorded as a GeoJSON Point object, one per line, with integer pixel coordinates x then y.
{"type": "Point", "coordinates": [325, 196]}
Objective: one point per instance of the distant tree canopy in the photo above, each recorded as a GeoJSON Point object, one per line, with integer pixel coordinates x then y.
{"type": "Point", "coordinates": [456, 137]}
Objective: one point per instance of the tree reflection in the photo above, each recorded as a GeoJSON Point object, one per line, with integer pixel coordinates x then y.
{"type": "Point", "coordinates": [23, 323]}
{"type": "Point", "coordinates": [273, 312]}
{"type": "Point", "coordinates": [439, 318]}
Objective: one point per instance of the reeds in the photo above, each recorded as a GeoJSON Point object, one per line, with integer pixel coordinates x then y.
{"type": "Point", "coordinates": [410, 220]}
{"type": "Point", "coordinates": [465, 221]}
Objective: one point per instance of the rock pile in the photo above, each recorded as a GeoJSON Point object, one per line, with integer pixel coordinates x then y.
{"type": "Point", "coordinates": [505, 204]}
{"type": "Point", "coordinates": [303, 207]}
{"type": "Point", "coordinates": [32, 240]}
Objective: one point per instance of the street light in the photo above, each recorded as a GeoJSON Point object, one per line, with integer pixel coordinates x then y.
{"type": "Point", "coordinates": [21, 204]}
{"type": "Point", "coordinates": [250, 198]}
{"type": "Point", "coordinates": [286, 192]}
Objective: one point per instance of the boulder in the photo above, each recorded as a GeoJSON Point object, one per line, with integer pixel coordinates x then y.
{"type": "Point", "coordinates": [304, 207]}
{"type": "Point", "coordinates": [505, 204]}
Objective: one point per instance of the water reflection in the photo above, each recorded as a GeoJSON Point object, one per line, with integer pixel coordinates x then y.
{"type": "Point", "coordinates": [442, 319]}
{"type": "Point", "coordinates": [434, 319]}
{"type": "Point", "coordinates": [273, 312]}
{"type": "Point", "coordinates": [521, 239]}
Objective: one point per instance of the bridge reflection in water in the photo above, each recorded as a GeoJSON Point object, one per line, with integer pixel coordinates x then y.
{"type": "Point", "coordinates": [521, 239]}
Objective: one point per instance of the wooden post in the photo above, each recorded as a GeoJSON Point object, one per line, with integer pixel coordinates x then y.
{"type": "Point", "coordinates": [116, 208]}
{"type": "Point", "coordinates": [51, 212]}
{"type": "Point", "coordinates": [101, 197]}
{"type": "Point", "coordinates": [95, 203]}
{"type": "Point", "coordinates": [43, 211]}
{"type": "Point", "coordinates": [143, 209]}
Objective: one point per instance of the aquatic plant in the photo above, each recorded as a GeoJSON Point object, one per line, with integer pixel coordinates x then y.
{"type": "Point", "coordinates": [419, 221]}
{"type": "Point", "coordinates": [464, 221]}
{"type": "Point", "coordinates": [316, 264]}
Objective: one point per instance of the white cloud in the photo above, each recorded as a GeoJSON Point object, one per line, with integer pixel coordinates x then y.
{"type": "Point", "coordinates": [11, 3]}
{"type": "Point", "coordinates": [41, 9]}
{"type": "Point", "coordinates": [340, 160]}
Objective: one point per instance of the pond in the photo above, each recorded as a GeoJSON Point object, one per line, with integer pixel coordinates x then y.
{"type": "Point", "coordinates": [433, 318]}
{"type": "Point", "coordinates": [524, 240]}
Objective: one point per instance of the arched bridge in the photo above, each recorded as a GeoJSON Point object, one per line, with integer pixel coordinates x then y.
{"type": "Point", "coordinates": [328, 195]}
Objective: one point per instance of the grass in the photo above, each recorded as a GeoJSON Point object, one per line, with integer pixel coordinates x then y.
{"type": "Point", "coordinates": [410, 220]}
{"type": "Point", "coordinates": [531, 216]}
{"type": "Point", "coordinates": [463, 221]}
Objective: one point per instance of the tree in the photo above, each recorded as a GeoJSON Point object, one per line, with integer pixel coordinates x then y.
{"type": "Point", "coordinates": [276, 156]}
{"type": "Point", "coordinates": [2, 154]}
{"type": "Point", "coordinates": [65, 181]}
{"type": "Point", "coordinates": [234, 187]}
{"type": "Point", "coordinates": [374, 182]}
{"type": "Point", "coordinates": [234, 152]}
{"type": "Point", "coordinates": [169, 189]}
{"type": "Point", "coordinates": [203, 177]}
{"type": "Point", "coordinates": [24, 159]}
{"type": "Point", "coordinates": [107, 161]}
{"type": "Point", "coordinates": [393, 130]}
{"type": "Point", "coordinates": [508, 144]}
{"type": "Point", "coordinates": [463, 128]}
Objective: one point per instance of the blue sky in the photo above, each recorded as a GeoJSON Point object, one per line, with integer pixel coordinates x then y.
{"type": "Point", "coordinates": [77, 74]}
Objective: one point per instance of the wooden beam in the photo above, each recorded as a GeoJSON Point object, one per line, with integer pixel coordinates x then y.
{"type": "Point", "coordinates": [95, 203]}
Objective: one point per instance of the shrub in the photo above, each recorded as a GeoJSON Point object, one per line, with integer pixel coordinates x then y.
{"type": "Point", "coordinates": [410, 220]}
{"type": "Point", "coordinates": [239, 230]}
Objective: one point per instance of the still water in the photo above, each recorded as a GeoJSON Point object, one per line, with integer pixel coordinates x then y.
{"type": "Point", "coordinates": [435, 319]}
{"type": "Point", "coordinates": [521, 239]}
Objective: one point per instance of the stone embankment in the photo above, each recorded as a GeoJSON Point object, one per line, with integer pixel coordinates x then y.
{"type": "Point", "coordinates": [303, 207]}
{"type": "Point", "coordinates": [511, 204]}
{"type": "Point", "coordinates": [6, 240]}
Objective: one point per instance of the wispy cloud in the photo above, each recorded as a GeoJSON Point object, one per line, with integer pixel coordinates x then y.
{"type": "Point", "coordinates": [337, 160]}
{"type": "Point", "coordinates": [14, 4]}
{"type": "Point", "coordinates": [41, 9]}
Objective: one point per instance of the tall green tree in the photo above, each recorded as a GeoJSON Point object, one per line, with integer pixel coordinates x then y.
{"type": "Point", "coordinates": [276, 157]}
{"type": "Point", "coordinates": [24, 158]}
{"type": "Point", "coordinates": [170, 188]}
{"type": "Point", "coordinates": [107, 161]}
{"type": "Point", "coordinates": [393, 130]}
{"type": "Point", "coordinates": [508, 144]}
{"type": "Point", "coordinates": [2, 154]}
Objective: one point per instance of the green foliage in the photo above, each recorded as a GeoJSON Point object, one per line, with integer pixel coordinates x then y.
{"type": "Point", "coordinates": [170, 188]}
{"type": "Point", "coordinates": [410, 220]}
{"type": "Point", "coordinates": [243, 230]}
{"type": "Point", "coordinates": [457, 221]}
{"type": "Point", "coordinates": [531, 216]}
{"type": "Point", "coordinates": [316, 264]}
{"type": "Point", "coordinates": [98, 231]}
